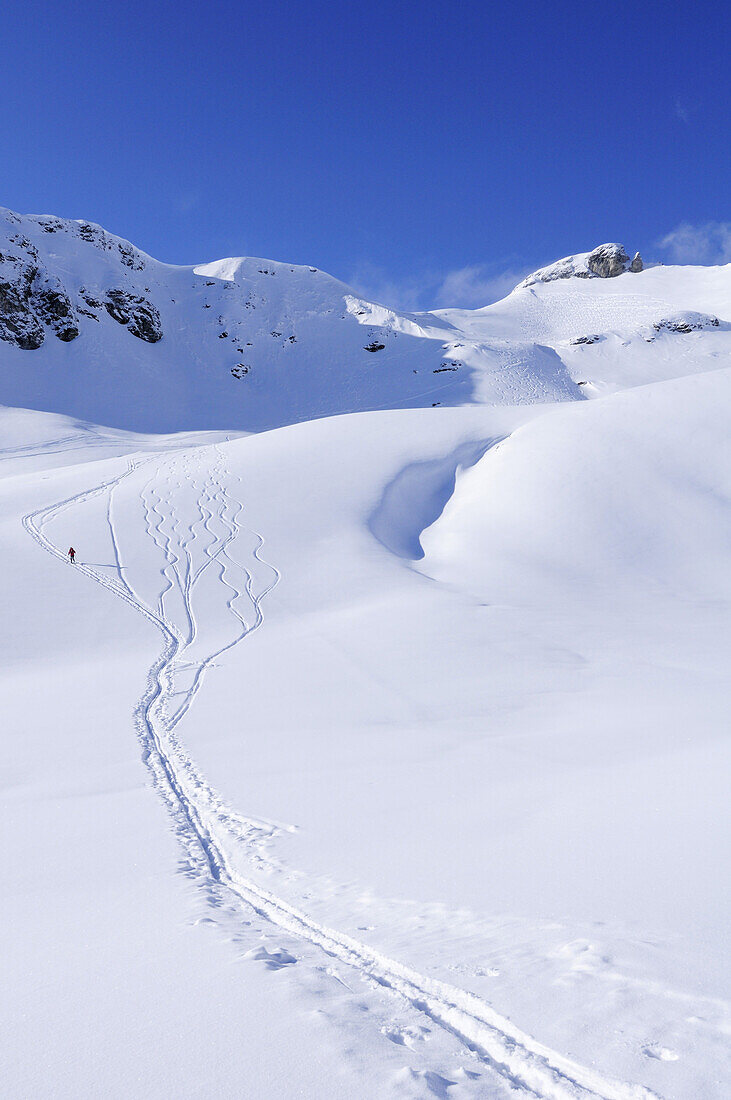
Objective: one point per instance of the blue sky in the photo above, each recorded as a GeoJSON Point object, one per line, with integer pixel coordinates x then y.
{"type": "Point", "coordinates": [429, 153]}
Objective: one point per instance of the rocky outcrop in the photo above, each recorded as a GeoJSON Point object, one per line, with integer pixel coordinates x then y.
{"type": "Point", "coordinates": [139, 315]}
{"type": "Point", "coordinates": [688, 321]}
{"type": "Point", "coordinates": [562, 269]}
{"type": "Point", "coordinates": [607, 261]}
{"type": "Point", "coordinates": [24, 245]}
{"type": "Point", "coordinates": [94, 234]}
{"type": "Point", "coordinates": [31, 301]}
{"type": "Point", "coordinates": [53, 306]}
{"type": "Point", "coordinates": [130, 256]}
{"type": "Point", "coordinates": [18, 323]}
{"type": "Point", "coordinates": [91, 300]}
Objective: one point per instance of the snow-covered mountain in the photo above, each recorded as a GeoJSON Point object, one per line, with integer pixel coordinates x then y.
{"type": "Point", "coordinates": [92, 327]}
{"type": "Point", "coordinates": [380, 755]}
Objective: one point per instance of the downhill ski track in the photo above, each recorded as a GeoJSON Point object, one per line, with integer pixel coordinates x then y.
{"type": "Point", "coordinates": [209, 830]}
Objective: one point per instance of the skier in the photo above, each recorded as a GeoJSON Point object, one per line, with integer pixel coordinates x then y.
{"type": "Point", "coordinates": [72, 554]}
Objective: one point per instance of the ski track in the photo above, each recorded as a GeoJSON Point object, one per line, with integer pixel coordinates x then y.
{"type": "Point", "coordinates": [206, 826]}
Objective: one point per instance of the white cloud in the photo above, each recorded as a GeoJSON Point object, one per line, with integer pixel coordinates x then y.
{"type": "Point", "coordinates": [477, 285]}
{"type": "Point", "coordinates": [698, 244]}
{"type": "Point", "coordinates": [466, 287]}
{"type": "Point", "coordinates": [682, 111]}
{"type": "Point", "coordinates": [409, 294]}
{"type": "Point", "coordinates": [186, 201]}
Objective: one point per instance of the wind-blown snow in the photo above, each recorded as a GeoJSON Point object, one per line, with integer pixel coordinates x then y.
{"type": "Point", "coordinates": [381, 754]}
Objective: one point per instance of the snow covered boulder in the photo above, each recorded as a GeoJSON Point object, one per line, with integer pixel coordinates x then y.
{"type": "Point", "coordinates": [687, 321]}
{"type": "Point", "coordinates": [607, 261]}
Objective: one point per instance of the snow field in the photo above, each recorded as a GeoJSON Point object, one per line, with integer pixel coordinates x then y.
{"type": "Point", "coordinates": [434, 700]}
{"type": "Point", "coordinates": [419, 706]}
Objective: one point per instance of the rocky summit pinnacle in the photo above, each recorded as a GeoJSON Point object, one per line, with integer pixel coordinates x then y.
{"type": "Point", "coordinates": [607, 261]}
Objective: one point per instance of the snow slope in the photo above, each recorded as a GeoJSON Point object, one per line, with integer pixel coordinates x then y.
{"type": "Point", "coordinates": [374, 755]}
{"type": "Point", "coordinates": [241, 343]}
{"type": "Point", "coordinates": [436, 708]}
{"type": "Point", "coordinates": [92, 327]}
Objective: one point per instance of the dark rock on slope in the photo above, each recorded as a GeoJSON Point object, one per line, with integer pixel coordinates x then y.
{"type": "Point", "coordinates": [608, 261]}
{"type": "Point", "coordinates": [141, 317]}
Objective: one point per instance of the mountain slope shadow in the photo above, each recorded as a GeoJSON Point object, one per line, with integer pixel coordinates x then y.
{"type": "Point", "coordinates": [416, 498]}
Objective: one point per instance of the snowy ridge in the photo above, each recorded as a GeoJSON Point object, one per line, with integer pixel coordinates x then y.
{"type": "Point", "coordinates": [605, 262]}
{"type": "Point", "coordinates": [92, 327]}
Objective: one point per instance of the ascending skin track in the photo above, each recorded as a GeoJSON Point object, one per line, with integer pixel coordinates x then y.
{"type": "Point", "coordinates": [213, 583]}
